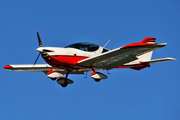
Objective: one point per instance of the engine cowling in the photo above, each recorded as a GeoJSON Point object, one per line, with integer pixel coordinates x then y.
{"type": "Point", "coordinates": [98, 75]}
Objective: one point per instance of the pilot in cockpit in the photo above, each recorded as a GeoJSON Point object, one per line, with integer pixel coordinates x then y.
{"type": "Point", "coordinates": [85, 48]}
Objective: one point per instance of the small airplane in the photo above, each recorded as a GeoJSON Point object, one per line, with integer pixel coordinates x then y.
{"type": "Point", "coordinates": [80, 58]}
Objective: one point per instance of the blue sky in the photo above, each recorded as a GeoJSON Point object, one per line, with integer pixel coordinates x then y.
{"type": "Point", "coordinates": [150, 94]}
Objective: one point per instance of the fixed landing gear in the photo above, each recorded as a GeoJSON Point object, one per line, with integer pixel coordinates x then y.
{"type": "Point", "coordinates": [97, 76]}
{"type": "Point", "coordinates": [53, 79]}
{"type": "Point", "coordinates": [64, 81]}
{"type": "Point", "coordinates": [64, 85]}
{"type": "Point", "coordinates": [97, 80]}
{"type": "Point", "coordinates": [53, 74]}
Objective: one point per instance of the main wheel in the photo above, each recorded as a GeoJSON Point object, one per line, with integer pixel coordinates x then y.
{"type": "Point", "coordinates": [64, 85]}
{"type": "Point", "coordinates": [53, 78]}
{"type": "Point", "coordinates": [97, 80]}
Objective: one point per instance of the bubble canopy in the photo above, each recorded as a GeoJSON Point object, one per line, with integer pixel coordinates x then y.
{"type": "Point", "coordinates": [84, 46]}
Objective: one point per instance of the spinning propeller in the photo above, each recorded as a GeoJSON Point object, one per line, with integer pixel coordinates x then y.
{"type": "Point", "coordinates": [39, 39]}
{"type": "Point", "coordinates": [40, 45]}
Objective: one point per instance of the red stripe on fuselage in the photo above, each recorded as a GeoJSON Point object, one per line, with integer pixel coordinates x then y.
{"type": "Point", "coordinates": [63, 60]}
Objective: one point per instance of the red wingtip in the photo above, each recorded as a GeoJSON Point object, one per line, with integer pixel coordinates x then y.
{"type": "Point", "coordinates": [37, 31]}
{"type": "Point", "coordinates": [7, 67]}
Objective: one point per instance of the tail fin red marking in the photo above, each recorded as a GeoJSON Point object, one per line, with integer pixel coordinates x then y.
{"type": "Point", "coordinates": [148, 39]}
{"type": "Point", "coordinates": [145, 41]}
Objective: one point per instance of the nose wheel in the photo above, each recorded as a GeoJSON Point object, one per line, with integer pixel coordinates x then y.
{"type": "Point", "coordinates": [64, 81]}
{"type": "Point", "coordinates": [53, 79]}
{"type": "Point", "coordinates": [64, 85]}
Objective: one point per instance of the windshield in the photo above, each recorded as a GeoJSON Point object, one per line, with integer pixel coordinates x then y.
{"type": "Point", "coordinates": [84, 46]}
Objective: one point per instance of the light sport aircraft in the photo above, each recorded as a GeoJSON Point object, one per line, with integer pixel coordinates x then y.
{"type": "Point", "coordinates": [80, 58]}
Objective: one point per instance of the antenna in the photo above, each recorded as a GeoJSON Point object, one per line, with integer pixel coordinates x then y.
{"type": "Point", "coordinates": [106, 43]}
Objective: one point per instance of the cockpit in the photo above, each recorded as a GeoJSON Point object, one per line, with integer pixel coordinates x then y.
{"type": "Point", "coordinates": [89, 47]}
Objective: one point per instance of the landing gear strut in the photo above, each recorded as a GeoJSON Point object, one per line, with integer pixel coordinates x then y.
{"type": "Point", "coordinates": [64, 81]}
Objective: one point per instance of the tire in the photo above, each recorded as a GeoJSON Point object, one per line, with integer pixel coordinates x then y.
{"type": "Point", "coordinates": [97, 80]}
{"type": "Point", "coordinates": [64, 85]}
{"type": "Point", "coordinates": [53, 79]}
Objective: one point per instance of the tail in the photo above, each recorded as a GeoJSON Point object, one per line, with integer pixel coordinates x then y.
{"type": "Point", "coordinates": [147, 56]}
{"type": "Point", "coordinates": [145, 59]}
{"type": "Point", "coordinates": [149, 40]}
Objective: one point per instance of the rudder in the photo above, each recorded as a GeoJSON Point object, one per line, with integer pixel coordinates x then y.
{"type": "Point", "coordinates": [149, 40]}
{"type": "Point", "coordinates": [147, 56]}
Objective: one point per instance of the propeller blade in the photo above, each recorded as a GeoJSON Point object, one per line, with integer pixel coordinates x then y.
{"type": "Point", "coordinates": [40, 45]}
{"type": "Point", "coordinates": [39, 39]}
{"type": "Point", "coordinates": [36, 59]}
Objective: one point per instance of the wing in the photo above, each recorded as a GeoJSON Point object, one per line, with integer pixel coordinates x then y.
{"type": "Point", "coordinates": [119, 56]}
{"type": "Point", "coordinates": [29, 67]}
{"type": "Point", "coordinates": [38, 68]}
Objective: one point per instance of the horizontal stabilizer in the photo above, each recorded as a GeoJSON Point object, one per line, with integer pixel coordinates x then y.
{"type": "Point", "coordinates": [158, 60]}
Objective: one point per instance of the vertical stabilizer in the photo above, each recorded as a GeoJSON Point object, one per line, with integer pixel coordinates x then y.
{"type": "Point", "coordinates": [149, 40]}
{"type": "Point", "coordinates": [147, 56]}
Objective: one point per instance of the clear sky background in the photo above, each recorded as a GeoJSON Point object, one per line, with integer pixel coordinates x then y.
{"type": "Point", "coordinates": [150, 94]}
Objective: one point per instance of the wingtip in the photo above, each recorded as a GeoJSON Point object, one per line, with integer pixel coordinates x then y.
{"type": "Point", "coordinates": [7, 67]}
{"type": "Point", "coordinates": [171, 58]}
{"type": "Point", "coordinates": [37, 31]}
{"type": "Point", "coordinates": [164, 44]}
